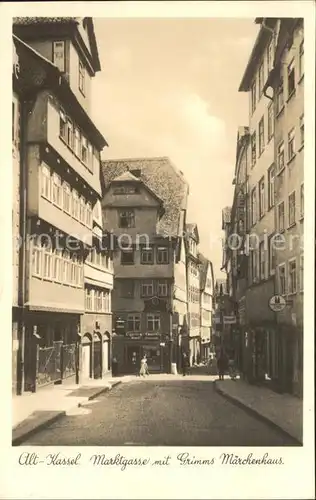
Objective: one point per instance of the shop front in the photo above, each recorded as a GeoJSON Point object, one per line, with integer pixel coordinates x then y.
{"type": "Point", "coordinates": [129, 350]}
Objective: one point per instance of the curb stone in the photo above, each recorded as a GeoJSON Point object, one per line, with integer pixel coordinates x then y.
{"type": "Point", "coordinates": [256, 414]}
{"type": "Point", "coordinates": [20, 438]}
{"type": "Point", "coordinates": [16, 441]}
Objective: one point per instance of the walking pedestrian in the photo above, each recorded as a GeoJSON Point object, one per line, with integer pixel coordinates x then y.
{"type": "Point", "coordinates": [185, 364]}
{"type": "Point", "coordinates": [114, 366]}
{"type": "Point", "coordinates": [222, 363]}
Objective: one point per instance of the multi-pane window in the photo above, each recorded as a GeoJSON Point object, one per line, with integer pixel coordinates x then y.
{"type": "Point", "coordinates": [69, 133]}
{"type": "Point", "coordinates": [75, 204]}
{"type": "Point", "coordinates": [82, 210]}
{"type": "Point", "coordinates": [88, 299]}
{"type": "Point", "coordinates": [253, 149]}
{"type": "Point", "coordinates": [133, 323]}
{"type": "Point", "coordinates": [82, 75]}
{"type": "Point", "coordinates": [292, 208]}
{"type": "Point", "coordinates": [90, 157]}
{"type": "Point", "coordinates": [63, 125]}
{"type": "Point", "coordinates": [153, 322]}
{"type": "Point", "coordinates": [77, 142]}
{"type": "Point", "coordinates": [280, 156]}
{"type": "Point", "coordinates": [162, 288]}
{"type": "Point", "coordinates": [253, 206]}
{"type": "Point", "coordinates": [59, 55]}
{"type": "Point", "coordinates": [89, 215]}
{"type": "Point", "coordinates": [253, 96]}
{"type": "Point", "coordinates": [36, 258]}
{"type": "Point", "coordinates": [270, 121]}
{"type": "Point", "coordinates": [302, 129]}
{"type": "Point", "coordinates": [57, 190]}
{"type": "Point", "coordinates": [47, 264]}
{"type": "Point", "coordinates": [261, 197]}
{"type": "Point", "coordinates": [280, 96]}
{"type": "Point", "coordinates": [147, 288]}
{"type": "Point", "coordinates": [302, 201]}
{"type": "Point", "coordinates": [270, 54]}
{"type": "Point", "coordinates": [46, 182]}
{"type": "Point", "coordinates": [272, 254]}
{"type": "Point", "coordinates": [127, 256]}
{"type": "Point", "coordinates": [301, 273]}
{"type": "Point", "coordinates": [282, 279]}
{"type": "Point", "coordinates": [281, 220]}
{"type": "Point", "coordinates": [292, 276]}
{"type": "Point", "coordinates": [57, 266]}
{"type": "Point", "coordinates": [290, 78]}
{"type": "Point", "coordinates": [84, 149]}
{"type": "Point", "coordinates": [262, 261]}
{"type": "Point", "coordinates": [126, 218]}
{"type": "Point", "coordinates": [147, 255]}
{"type": "Point", "coordinates": [66, 267]}
{"type": "Point", "coordinates": [66, 197]}
{"type": "Point", "coordinates": [291, 144]}
{"type": "Point", "coordinates": [261, 78]}
{"type": "Point", "coordinates": [162, 255]}
{"type": "Point", "coordinates": [254, 267]}
{"type": "Point", "coordinates": [261, 136]}
{"type": "Point", "coordinates": [301, 59]}
{"type": "Point", "coordinates": [271, 186]}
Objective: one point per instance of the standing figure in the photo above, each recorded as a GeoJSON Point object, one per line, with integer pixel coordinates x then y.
{"type": "Point", "coordinates": [222, 363]}
{"type": "Point", "coordinates": [143, 367]}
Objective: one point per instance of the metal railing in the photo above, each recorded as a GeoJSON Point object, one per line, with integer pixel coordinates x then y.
{"type": "Point", "coordinates": [48, 364]}
{"type": "Point", "coordinates": [69, 364]}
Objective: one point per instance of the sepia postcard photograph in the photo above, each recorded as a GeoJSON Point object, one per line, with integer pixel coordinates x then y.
{"type": "Point", "coordinates": [155, 280]}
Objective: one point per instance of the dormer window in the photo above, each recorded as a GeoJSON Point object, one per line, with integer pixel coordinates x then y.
{"type": "Point", "coordinates": [82, 75]}
{"type": "Point", "coordinates": [125, 190]}
{"type": "Point", "coordinates": [59, 55]}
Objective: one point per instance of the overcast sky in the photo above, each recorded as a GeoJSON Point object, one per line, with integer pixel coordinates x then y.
{"type": "Point", "coordinates": [169, 87]}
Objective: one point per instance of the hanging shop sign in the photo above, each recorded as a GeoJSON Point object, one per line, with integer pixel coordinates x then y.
{"type": "Point", "coordinates": [277, 303]}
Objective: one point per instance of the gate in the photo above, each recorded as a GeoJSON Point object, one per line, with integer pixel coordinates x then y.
{"type": "Point", "coordinates": [48, 364]}
{"type": "Point", "coordinates": [69, 358]}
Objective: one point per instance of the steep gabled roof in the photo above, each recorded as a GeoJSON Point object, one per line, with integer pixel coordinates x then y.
{"type": "Point", "coordinates": [163, 179]}
{"type": "Point", "coordinates": [38, 73]}
{"type": "Point", "coordinates": [205, 264]}
{"type": "Point", "coordinates": [192, 230]}
{"type": "Point", "coordinates": [28, 27]}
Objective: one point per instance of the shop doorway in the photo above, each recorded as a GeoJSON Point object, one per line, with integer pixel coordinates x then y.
{"type": "Point", "coordinates": [133, 357]}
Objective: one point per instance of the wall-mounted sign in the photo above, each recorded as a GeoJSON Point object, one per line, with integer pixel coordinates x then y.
{"type": "Point", "coordinates": [277, 303]}
{"type": "Point", "coordinates": [229, 320]}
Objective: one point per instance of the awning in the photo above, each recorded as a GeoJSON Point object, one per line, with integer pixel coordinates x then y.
{"type": "Point", "coordinates": [101, 284]}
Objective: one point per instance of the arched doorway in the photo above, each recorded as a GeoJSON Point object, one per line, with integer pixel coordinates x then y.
{"type": "Point", "coordinates": [97, 355]}
{"type": "Point", "coordinates": [86, 356]}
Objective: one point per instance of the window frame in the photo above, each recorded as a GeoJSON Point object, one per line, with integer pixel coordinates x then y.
{"type": "Point", "coordinates": [282, 266]}
{"type": "Point", "coordinates": [302, 201]}
{"type": "Point", "coordinates": [48, 181]}
{"type": "Point", "coordinates": [292, 208]}
{"type": "Point", "coordinates": [301, 273]}
{"type": "Point", "coordinates": [149, 284]}
{"type": "Point", "coordinates": [253, 148]}
{"type": "Point", "coordinates": [261, 197]}
{"type": "Point", "coordinates": [270, 121]}
{"type": "Point", "coordinates": [281, 203]}
{"type": "Point", "coordinates": [281, 154]}
{"type": "Point", "coordinates": [253, 96]}
{"type": "Point", "coordinates": [145, 251]}
{"type": "Point", "coordinates": [291, 78]}
{"type": "Point", "coordinates": [82, 77]}
{"type": "Point", "coordinates": [262, 261]}
{"type": "Point", "coordinates": [135, 320]}
{"type": "Point", "coordinates": [261, 136]}
{"type": "Point", "coordinates": [162, 251]}
{"type": "Point", "coordinates": [280, 96]}
{"type": "Point", "coordinates": [292, 290]}
{"type": "Point", "coordinates": [291, 144]}
{"type": "Point", "coordinates": [130, 217]}
{"type": "Point", "coordinates": [254, 208]}
{"type": "Point", "coordinates": [62, 69]}
{"type": "Point", "coordinates": [162, 288]}
{"type": "Point", "coordinates": [271, 183]}
{"type": "Point", "coordinates": [302, 130]}
{"type": "Point", "coordinates": [57, 190]}
{"type": "Point", "coordinates": [153, 317]}
{"type": "Point", "coordinates": [127, 251]}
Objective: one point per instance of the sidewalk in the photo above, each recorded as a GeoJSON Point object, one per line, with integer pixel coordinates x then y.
{"type": "Point", "coordinates": [33, 411]}
{"type": "Point", "coordinates": [281, 410]}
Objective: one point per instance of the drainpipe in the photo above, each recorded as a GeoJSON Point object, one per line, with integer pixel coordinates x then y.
{"type": "Point", "coordinates": [23, 236]}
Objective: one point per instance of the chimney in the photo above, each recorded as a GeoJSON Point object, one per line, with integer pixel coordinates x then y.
{"type": "Point", "coordinates": [136, 172]}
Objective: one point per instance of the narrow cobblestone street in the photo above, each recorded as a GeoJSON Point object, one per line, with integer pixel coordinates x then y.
{"type": "Point", "coordinates": [160, 411]}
